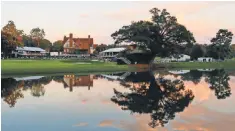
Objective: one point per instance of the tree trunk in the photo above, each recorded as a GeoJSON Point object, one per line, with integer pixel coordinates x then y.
{"type": "Point", "coordinates": [152, 61]}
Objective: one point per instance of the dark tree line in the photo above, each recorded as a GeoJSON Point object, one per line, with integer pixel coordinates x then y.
{"type": "Point", "coordinates": [12, 37]}
{"type": "Point", "coordinates": [164, 36]}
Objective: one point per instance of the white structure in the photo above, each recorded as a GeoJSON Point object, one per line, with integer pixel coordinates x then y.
{"type": "Point", "coordinates": [111, 53]}
{"type": "Point", "coordinates": [205, 59]}
{"type": "Point", "coordinates": [117, 77]}
{"type": "Point", "coordinates": [178, 72]}
{"type": "Point", "coordinates": [54, 53]}
{"type": "Point", "coordinates": [28, 78]}
{"type": "Point", "coordinates": [205, 70]}
{"type": "Point", "coordinates": [29, 51]}
{"type": "Point", "coordinates": [181, 57]}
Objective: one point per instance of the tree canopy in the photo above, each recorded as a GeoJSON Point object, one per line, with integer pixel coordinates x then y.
{"type": "Point", "coordinates": [221, 43]}
{"type": "Point", "coordinates": [196, 52]}
{"type": "Point", "coordinates": [57, 46]}
{"type": "Point", "coordinates": [10, 38]}
{"type": "Point", "coordinates": [37, 34]}
{"type": "Point", "coordinates": [163, 35]}
{"type": "Point", "coordinates": [45, 44]}
{"type": "Point", "coordinates": [10, 28]}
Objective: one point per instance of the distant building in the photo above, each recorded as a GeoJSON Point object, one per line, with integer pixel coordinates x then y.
{"type": "Point", "coordinates": [111, 53]}
{"type": "Point", "coordinates": [205, 59]}
{"type": "Point", "coordinates": [180, 58]}
{"type": "Point", "coordinates": [78, 45]}
{"type": "Point", "coordinates": [29, 52]}
{"type": "Point", "coordinates": [208, 70]}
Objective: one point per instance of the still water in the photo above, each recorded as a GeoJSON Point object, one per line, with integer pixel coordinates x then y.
{"type": "Point", "coordinates": [196, 100]}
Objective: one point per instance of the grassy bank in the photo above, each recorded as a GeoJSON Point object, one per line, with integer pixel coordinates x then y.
{"type": "Point", "coordinates": [201, 65]}
{"type": "Point", "coordinates": [17, 67]}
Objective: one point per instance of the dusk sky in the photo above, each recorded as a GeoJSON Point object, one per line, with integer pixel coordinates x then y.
{"type": "Point", "coordinates": [101, 19]}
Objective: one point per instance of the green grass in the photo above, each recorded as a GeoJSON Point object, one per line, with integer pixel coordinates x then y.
{"type": "Point", "coordinates": [230, 64]}
{"type": "Point", "coordinates": [17, 67]}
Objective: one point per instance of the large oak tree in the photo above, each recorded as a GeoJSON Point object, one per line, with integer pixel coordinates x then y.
{"type": "Point", "coordinates": [163, 35]}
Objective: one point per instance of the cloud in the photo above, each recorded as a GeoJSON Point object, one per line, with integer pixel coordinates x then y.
{"type": "Point", "coordinates": [81, 124]}
{"type": "Point", "coordinates": [200, 118]}
{"type": "Point", "coordinates": [201, 91]}
{"type": "Point", "coordinates": [106, 123]}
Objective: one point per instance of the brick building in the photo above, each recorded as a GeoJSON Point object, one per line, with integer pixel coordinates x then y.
{"type": "Point", "coordinates": [78, 45]}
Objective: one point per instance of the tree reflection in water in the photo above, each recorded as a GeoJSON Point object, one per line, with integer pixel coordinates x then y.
{"type": "Point", "coordinates": [11, 91]}
{"type": "Point", "coordinates": [162, 99]}
{"type": "Point", "coordinates": [193, 75]}
{"type": "Point", "coordinates": [218, 80]}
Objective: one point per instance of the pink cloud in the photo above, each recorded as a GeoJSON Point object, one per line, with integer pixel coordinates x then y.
{"type": "Point", "coordinates": [200, 118]}
{"type": "Point", "coordinates": [105, 123]}
{"type": "Point", "coordinates": [201, 91]}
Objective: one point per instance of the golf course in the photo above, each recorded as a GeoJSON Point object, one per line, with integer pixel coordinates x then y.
{"type": "Point", "coordinates": [29, 67]}
{"type": "Point", "coordinates": [16, 67]}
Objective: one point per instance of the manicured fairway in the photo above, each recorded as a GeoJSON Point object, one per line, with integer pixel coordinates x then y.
{"type": "Point", "coordinates": [57, 66]}
{"type": "Point", "coordinates": [198, 65]}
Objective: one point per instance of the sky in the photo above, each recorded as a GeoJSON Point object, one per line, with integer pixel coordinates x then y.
{"type": "Point", "coordinates": [101, 19]}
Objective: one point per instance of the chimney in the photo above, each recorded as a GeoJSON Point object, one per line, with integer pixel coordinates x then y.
{"type": "Point", "coordinates": [70, 35]}
{"type": "Point", "coordinates": [70, 40]}
{"type": "Point", "coordinates": [64, 38]}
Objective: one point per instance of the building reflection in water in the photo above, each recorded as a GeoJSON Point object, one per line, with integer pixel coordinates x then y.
{"type": "Point", "coordinates": [12, 88]}
{"type": "Point", "coordinates": [78, 81]}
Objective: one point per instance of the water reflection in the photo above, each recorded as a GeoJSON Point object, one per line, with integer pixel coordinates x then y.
{"type": "Point", "coordinates": [12, 88]}
{"type": "Point", "coordinates": [194, 76]}
{"type": "Point", "coordinates": [217, 80]}
{"type": "Point", "coordinates": [11, 91]}
{"type": "Point", "coordinates": [160, 98]}
{"type": "Point", "coordinates": [156, 96]}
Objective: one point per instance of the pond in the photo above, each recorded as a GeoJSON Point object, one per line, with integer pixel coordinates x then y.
{"type": "Point", "coordinates": [195, 100]}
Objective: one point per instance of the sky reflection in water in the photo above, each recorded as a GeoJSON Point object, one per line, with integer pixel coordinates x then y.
{"type": "Point", "coordinates": [193, 100]}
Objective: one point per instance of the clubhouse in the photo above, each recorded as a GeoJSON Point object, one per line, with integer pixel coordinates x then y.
{"type": "Point", "coordinates": [29, 52]}
{"type": "Point", "coordinates": [78, 45]}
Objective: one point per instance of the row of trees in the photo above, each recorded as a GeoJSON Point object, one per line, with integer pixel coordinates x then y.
{"type": "Point", "coordinates": [12, 37]}
{"type": "Point", "coordinates": [220, 47]}
{"type": "Point", "coordinates": [164, 36]}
